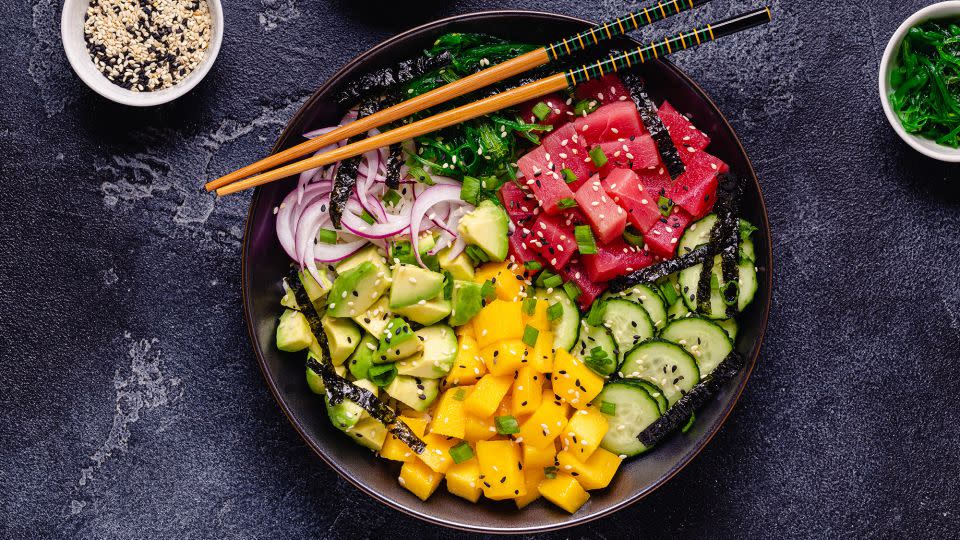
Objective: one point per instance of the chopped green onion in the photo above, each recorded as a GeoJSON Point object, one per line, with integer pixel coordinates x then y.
{"type": "Point", "coordinates": [460, 394]}
{"type": "Point", "coordinates": [367, 217]}
{"type": "Point", "coordinates": [550, 472]}
{"type": "Point", "coordinates": [507, 425]}
{"type": "Point", "coordinates": [546, 274]}
{"type": "Point", "coordinates": [585, 242]}
{"type": "Point", "coordinates": [530, 306]}
{"type": "Point", "coordinates": [487, 291]}
{"type": "Point", "coordinates": [477, 254]}
{"type": "Point", "coordinates": [568, 175]}
{"type": "Point", "coordinates": [391, 197]}
{"type": "Point", "coordinates": [585, 106]}
{"type": "Point", "coordinates": [530, 335]}
{"type": "Point", "coordinates": [461, 452]}
{"type": "Point", "coordinates": [566, 202]}
{"type": "Point", "coordinates": [571, 289]}
{"type": "Point", "coordinates": [382, 374]}
{"type": "Point", "coordinates": [665, 205]}
{"type": "Point", "coordinates": [541, 110]}
{"type": "Point", "coordinates": [600, 362]}
{"type": "Point", "coordinates": [555, 311]}
{"type": "Point", "coordinates": [595, 315]}
{"type": "Point", "coordinates": [533, 266]}
{"type": "Point", "coordinates": [327, 236]}
{"type": "Point", "coordinates": [420, 174]}
{"type": "Point", "coordinates": [689, 423]}
{"type": "Point", "coordinates": [633, 237]}
{"type": "Point", "coordinates": [470, 191]}
{"type": "Point", "coordinates": [598, 157]}
{"type": "Point", "coordinates": [553, 282]}
{"type": "Point", "coordinates": [730, 292]}
{"type": "Point", "coordinates": [669, 293]}
{"type": "Point", "coordinates": [608, 408]}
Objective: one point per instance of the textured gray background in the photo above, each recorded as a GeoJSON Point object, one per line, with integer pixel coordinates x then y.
{"type": "Point", "coordinates": [130, 403]}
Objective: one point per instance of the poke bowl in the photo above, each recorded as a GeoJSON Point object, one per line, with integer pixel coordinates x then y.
{"type": "Point", "coordinates": [478, 332]}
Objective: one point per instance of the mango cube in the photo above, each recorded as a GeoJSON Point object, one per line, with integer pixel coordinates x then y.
{"type": "Point", "coordinates": [396, 450]}
{"type": "Point", "coordinates": [564, 491]}
{"type": "Point", "coordinates": [505, 282]}
{"type": "Point", "coordinates": [532, 476]}
{"type": "Point", "coordinates": [498, 321]}
{"type": "Point", "coordinates": [465, 330]}
{"type": "Point", "coordinates": [479, 429]}
{"type": "Point", "coordinates": [573, 381]}
{"type": "Point", "coordinates": [584, 432]}
{"type": "Point", "coordinates": [546, 423]}
{"type": "Point", "coordinates": [468, 367]}
{"type": "Point", "coordinates": [486, 395]}
{"type": "Point", "coordinates": [463, 480]}
{"type": "Point", "coordinates": [419, 479]}
{"type": "Point", "coordinates": [500, 467]}
{"type": "Point", "coordinates": [541, 357]}
{"type": "Point", "coordinates": [594, 473]}
{"type": "Point", "coordinates": [538, 319]}
{"type": "Point", "coordinates": [437, 453]}
{"type": "Point", "coordinates": [527, 390]}
{"type": "Point", "coordinates": [505, 357]}
{"type": "Point", "coordinates": [538, 457]}
{"type": "Point", "coordinates": [449, 418]}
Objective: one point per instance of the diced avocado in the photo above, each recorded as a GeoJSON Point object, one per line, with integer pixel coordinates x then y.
{"type": "Point", "coordinates": [346, 414]}
{"type": "Point", "coordinates": [439, 353]}
{"type": "Point", "coordinates": [486, 228]}
{"type": "Point", "coordinates": [362, 358]}
{"type": "Point", "coordinates": [315, 290]}
{"type": "Point", "coordinates": [343, 337]}
{"type": "Point", "coordinates": [370, 254]}
{"type": "Point", "coordinates": [314, 380]}
{"type": "Point", "coordinates": [402, 252]}
{"type": "Point", "coordinates": [467, 302]}
{"type": "Point", "coordinates": [369, 432]}
{"type": "Point", "coordinates": [376, 318]}
{"type": "Point", "coordinates": [460, 267]}
{"type": "Point", "coordinates": [293, 332]}
{"type": "Point", "coordinates": [362, 279]}
{"type": "Point", "coordinates": [418, 394]}
{"type": "Point", "coordinates": [426, 312]}
{"type": "Point", "coordinates": [289, 299]}
{"type": "Point", "coordinates": [396, 342]}
{"type": "Point", "coordinates": [413, 284]}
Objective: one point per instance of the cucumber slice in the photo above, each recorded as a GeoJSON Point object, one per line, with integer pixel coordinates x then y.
{"type": "Point", "coordinates": [678, 310]}
{"type": "Point", "coordinates": [702, 338]}
{"type": "Point", "coordinates": [628, 322]}
{"type": "Point", "coordinates": [698, 234]}
{"type": "Point", "coordinates": [664, 364]}
{"type": "Point", "coordinates": [566, 328]}
{"type": "Point", "coordinates": [655, 392]}
{"type": "Point", "coordinates": [690, 279]}
{"type": "Point", "coordinates": [633, 410]}
{"type": "Point", "coordinates": [592, 337]}
{"type": "Point", "coordinates": [649, 299]}
{"type": "Point", "coordinates": [731, 327]}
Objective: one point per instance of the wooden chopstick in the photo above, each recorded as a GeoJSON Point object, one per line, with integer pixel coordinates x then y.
{"type": "Point", "coordinates": [553, 83]}
{"type": "Point", "coordinates": [499, 72]}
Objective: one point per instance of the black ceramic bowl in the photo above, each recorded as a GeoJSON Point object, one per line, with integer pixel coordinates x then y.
{"type": "Point", "coordinates": [264, 264]}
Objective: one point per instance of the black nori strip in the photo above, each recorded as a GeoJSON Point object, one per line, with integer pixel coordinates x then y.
{"type": "Point", "coordinates": [394, 161]}
{"type": "Point", "coordinates": [678, 415]}
{"type": "Point", "coordinates": [728, 213]}
{"type": "Point", "coordinates": [338, 388]}
{"type": "Point", "coordinates": [381, 81]}
{"type": "Point", "coordinates": [706, 275]}
{"type": "Point", "coordinates": [657, 271]}
{"type": "Point", "coordinates": [651, 120]}
{"type": "Point", "coordinates": [346, 177]}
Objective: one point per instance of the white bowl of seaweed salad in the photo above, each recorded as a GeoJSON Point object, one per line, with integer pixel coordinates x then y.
{"type": "Point", "coordinates": [141, 52]}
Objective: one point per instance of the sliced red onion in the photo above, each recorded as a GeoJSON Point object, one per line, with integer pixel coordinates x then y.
{"type": "Point", "coordinates": [428, 199]}
{"type": "Point", "coordinates": [458, 246]}
{"type": "Point", "coordinates": [330, 253]}
{"type": "Point", "coordinates": [380, 231]}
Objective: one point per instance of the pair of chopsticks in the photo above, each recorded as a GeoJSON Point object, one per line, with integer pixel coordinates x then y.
{"type": "Point", "coordinates": [262, 171]}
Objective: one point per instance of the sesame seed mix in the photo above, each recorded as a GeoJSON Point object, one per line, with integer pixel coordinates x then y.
{"type": "Point", "coordinates": [147, 45]}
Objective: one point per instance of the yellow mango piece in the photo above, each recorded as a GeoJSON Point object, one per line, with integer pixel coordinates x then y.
{"type": "Point", "coordinates": [594, 473]}
{"type": "Point", "coordinates": [468, 367]}
{"type": "Point", "coordinates": [573, 381]}
{"type": "Point", "coordinates": [538, 457]}
{"type": "Point", "coordinates": [500, 467]}
{"type": "Point", "coordinates": [538, 319]}
{"type": "Point", "coordinates": [564, 491]}
{"type": "Point", "coordinates": [541, 357]}
{"type": "Point", "coordinates": [463, 480]}
{"type": "Point", "coordinates": [505, 282]}
{"type": "Point", "coordinates": [498, 321]}
{"type": "Point", "coordinates": [396, 450]}
{"type": "Point", "coordinates": [478, 429]}
{"type": "Point", "coordinates": [505, 357]}
{"type": "Point", "coordinates": [532, 476]}
{"type": "Point", "coordinates": [527, 391]}
{"type": "Point", "coordinates": [584, 431]}
{"type": "Point", "coordinates": [546, 423]}
{"type": "Point", "coordinates": [437, 453]}
{"type": "Point", "coordinates": [449, 418]}
{"type": "Point", "coordinates": [487, 394]}
{"type": "Point", "coordinates": [465, 330]}
{"type": "Point", "coordinates": [419, 479]}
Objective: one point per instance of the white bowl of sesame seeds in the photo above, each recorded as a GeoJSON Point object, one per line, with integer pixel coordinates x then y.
{"type": "Point", "coordinates": [141, 52]}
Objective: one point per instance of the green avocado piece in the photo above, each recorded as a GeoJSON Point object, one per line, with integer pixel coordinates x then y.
{"type": "Point", "coordinates": [346, 414]}
{"type": "Point", "coordinates": [314, 380]}
{"type": "Point", "coordinates": [467, 302]}
{"type": "Point", "coordinates": [439, 353]}
{"type": "Point", "coordinates": [369, 432]}
{"type": "Point", "coordinates": [402, 252]}
{"type": "Point", "coordinates": [460, 267]}
{"type": "Point", "coordinates": [377, 316]}
{"type": "Point", "coordinates": [293, 332]}
{"type": "Point", "coordinates": [362, 358]}
{"type": "Point", "coordinates": [418, 394]}
{"type": "Point", "coordinates": [486, 228]}
{"type": "Point", "coordinates": [413, 284]}
{"type": "Point", "coordinates": [315, 290]}
{"type": "Point", "coordinates": [396, 342]}
{"type": "Point", "coordinates": [343, 337]}
{"type": "Point", "coordinates": [426, 312]}
{"type": "Point", "coordinates": [371, 254]}
{"type": "Point", "coordinates": [362, 279]}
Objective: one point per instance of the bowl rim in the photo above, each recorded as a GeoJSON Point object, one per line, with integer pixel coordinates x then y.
{"type": "Point", "coordinates": [79, 60]}
{"type": "Point", "coordinates": [686, 459]}
{"type": "Point", "coordinates": [926, 147]}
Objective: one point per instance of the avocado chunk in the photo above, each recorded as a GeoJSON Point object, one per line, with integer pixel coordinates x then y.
{"type": "Point", "coordinates": [467, 302]}
{"type": "Point", "coordinates": [402, 252]}
{"type": "Point", "coordinates": [360, 361]}
{"type": "Point", "coordinates": [486, 228]}
{"type": "Point", "coordinates": [376, 318]}
{"type": "Point", "coordinates": [363, 278]}
{"type": "Point", "coordinates": [397, 341]}
{"type": "Point", "coordinates": [426, 313]}
{"type": "Point", "coordinates": [343, 337]}
{"type": "Point", "coordinates": [314, 380]}
{"type": "Point", "coordinates": [460, 267]}
{"type": "Point", "coordinates": [439, 353]}
{"type": "Point", "coordinates": [369, 432]}
{"type": "Point", "coordinates": [293, 332]}
{"type": "Point", "coordinates": [370, 254]}
{"type": "Point", "coordinates": [412, 284]}
{"type": "Point", "coordinates": [418, 394]}
{"type": "Point", "coordinates": [346, 414]}
{"type": "Point", "coordinates": [315, 290]}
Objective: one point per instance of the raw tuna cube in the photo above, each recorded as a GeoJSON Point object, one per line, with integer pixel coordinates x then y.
{"type": "Point", "coordinates": [615, 259]}
{"type": "Point", "coordinates": [619, 120]}
{"type": "Point", "coordinates": [606, 89]}
{"type": "Point", "coordinates": [662, 238]}
{"type": "Point", "coordinates": [681, 129]}
{"type": "Point", "coordinates": [521, 249]}
{"type": "Point", "coordinates": [639, 201]}
{"type": "Point", "coordinates": [655, 181]}
{"type": "Point", "coordinates": [547, 185]}
{"type": "Point", "coordinates": [638, 153]}
{"type": "Point", "coordinates": [575, 272]}
{"type": "Point", "coordinates": [606, 218]}
{"type": "Point", "coordinates": [566, 151]}
{"type": "Point", "coordinates": [558, 110]}
{"type": "Point", "coordinates": [695, 190]}
{"type": "Point", "coordinates": [551, 237]}
{"type": "Point", "coordinates": [521, 205]}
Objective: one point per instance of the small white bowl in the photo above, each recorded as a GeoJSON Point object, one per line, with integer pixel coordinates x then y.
{"type": "Point", "coordinates": [75, 45]}
{"type": "Point", "coordinates": [920, 144]}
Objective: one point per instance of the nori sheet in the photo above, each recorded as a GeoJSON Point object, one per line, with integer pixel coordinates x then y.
{"type": "Point", "coordinates": [382, 81]}
{"type": "Point", "coordinates": [651, 120]}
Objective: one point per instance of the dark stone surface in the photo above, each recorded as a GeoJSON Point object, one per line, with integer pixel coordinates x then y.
{"type": "Point", "coordinates": [131, 403]}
